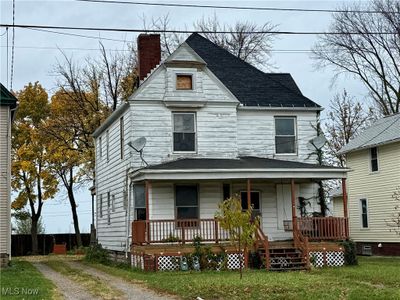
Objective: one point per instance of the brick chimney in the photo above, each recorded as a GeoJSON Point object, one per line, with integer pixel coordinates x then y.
{"type": "Point", "coordinates": [149, 52]}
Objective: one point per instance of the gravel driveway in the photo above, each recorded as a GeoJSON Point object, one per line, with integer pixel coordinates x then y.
{"type": "Point", "coordinates": [131, 290]}
{"type": "Point", "coordinates": [69, 289]}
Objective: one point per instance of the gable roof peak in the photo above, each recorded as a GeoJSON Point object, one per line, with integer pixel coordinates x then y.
{"type": "Point", "coordinates": [251, 86]}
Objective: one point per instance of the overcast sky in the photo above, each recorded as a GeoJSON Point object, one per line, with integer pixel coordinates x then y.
{"type": "Point", "coordinates": [36, 53]}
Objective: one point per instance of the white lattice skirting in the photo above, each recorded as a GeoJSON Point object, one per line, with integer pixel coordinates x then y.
{"type": "Point", "coordinates": [327, 258]}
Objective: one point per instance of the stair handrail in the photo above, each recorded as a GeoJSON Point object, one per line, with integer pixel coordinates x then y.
{"type": "Point", "coordinates": [301, 242]}
{"type": "Point", "coordinates": [264, 240]}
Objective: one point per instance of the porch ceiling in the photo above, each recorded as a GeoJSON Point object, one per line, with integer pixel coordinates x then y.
{"type": "Point", "coordinates": [240, 168]}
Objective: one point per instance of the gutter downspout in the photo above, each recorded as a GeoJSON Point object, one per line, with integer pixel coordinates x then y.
{"type": "Point", "coordinates": [128, 213]}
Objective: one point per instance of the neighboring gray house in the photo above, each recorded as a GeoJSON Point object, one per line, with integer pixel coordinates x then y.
{"type": "Point", "coordinates": [214, 126]}
{"type": "Point", "coordinates": [374, 158]}
{"type": "Point", "coordinates": [8, 104]}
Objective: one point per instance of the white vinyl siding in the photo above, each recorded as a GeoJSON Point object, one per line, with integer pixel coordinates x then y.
{"type": "Point", "coordinates": [5, 180]}
{"type": "Point", "coordinates": [377, 189]}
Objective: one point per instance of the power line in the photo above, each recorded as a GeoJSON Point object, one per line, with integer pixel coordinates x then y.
{"type": "Point", "coordinates": [77, 35]}
{"type": "Point", "coordinates": [13, 45]}
{"type": "Point", "coordinates": [289, 51]}
{"type": "Point", "coordinates": [28, 26]}
{"type": "Point", "coordinates": [237, 7]}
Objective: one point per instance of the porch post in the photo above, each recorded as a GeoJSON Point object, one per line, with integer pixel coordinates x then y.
{"type": "Point", "coordinates": [345, 212]}
{"type": "Point", "coordinates": [344, 191]}
{"type": "Point", "coordinates": [248, 193]}
{"type": "Point", "coordinates": [293, 196]}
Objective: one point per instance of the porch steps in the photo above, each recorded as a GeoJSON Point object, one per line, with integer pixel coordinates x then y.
{"type": "Point", "coordinates": [286, 258]}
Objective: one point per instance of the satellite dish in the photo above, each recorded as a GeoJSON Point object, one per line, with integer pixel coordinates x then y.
{"type": "Point", "coordinates": [138, 146]}
{"type": "Point", "coordinates": [317, 143]}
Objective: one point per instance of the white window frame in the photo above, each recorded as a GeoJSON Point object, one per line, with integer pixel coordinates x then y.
{"type": "Point", "coordinates": [198, 200]}
{"type": "Point", "coordinates": [361, 213]}
{"type": "Point", "coordinates": [100, 205]}
{"type": "Point", "coordinates": [100, 147]}
{"type": "Point", "coordinates": [108, 145]}
{"type": "Point", "coordinates": [122, 136]}
{"type": "Point", "coordinates": [370, 160]}
{"type": "Point", "coordinates": [294, 118]}
{"type": "Point", "coordinates": [194, 127]}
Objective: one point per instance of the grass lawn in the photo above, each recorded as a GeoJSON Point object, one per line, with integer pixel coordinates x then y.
{"type": "Point", "coordinates": [23, 281]}
{"type": "Point", "coordinates": [374, 278]}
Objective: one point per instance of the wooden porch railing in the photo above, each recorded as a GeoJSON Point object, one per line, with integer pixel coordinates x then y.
{"type": "Point", "coordinates": [323, 228]}
{"type": "Point", "coordinates": [261, 237]}
{"type": "Point", "coordinates": [301, 242]}
{"type": "Point", "coordinates": [179, 231]}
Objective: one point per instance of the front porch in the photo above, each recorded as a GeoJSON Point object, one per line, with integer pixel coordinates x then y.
{"type": "Point", "coordinates": [286, 232]}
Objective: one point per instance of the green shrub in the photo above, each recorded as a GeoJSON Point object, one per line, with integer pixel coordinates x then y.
{"type": "Point", "coordinates": [350, 256]}
{"type": "Point", "coordinates": [97, 253]}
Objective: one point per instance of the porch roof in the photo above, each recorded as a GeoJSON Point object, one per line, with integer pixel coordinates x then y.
{"type": "Point", "coordinates": [238, 168]}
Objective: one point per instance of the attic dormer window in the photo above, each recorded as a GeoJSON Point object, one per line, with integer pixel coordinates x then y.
{"type": "Point", "coordinates": [184, 82]}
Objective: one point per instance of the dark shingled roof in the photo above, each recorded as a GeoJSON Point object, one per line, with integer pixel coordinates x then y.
{"type": "Point", "coordinates": [246, 162]}
{"type": "Point", "coordinates": [6, 98]}
{"type": "Point", "coordinates": [250, 86]}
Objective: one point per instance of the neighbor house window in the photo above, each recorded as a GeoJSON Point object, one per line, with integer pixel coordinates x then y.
{"type": "Point", "coordinates": [186, 202]}
{"type": "Point", "coordinates": [254, 201]}
{"type": "Point", "coordinates": [100, 147]}
{"type": "Point", "coordinates": [184, 128]}
{"type": "Point", "coordinates": [285, 135]}
{"type": "Point", "coordinates": [121, 136]}
{"type": "Point", "coordinates": [108, 208]}
{"type": "Point", "coordinates": [184, 82]}
{"type": "Point", "coordinates": [140, 202]}
{"type": "Point", "coordinates": [113, 203]}
{"type": "Point", "coordinates": [108, 145]}
{"type": "Point", "coordinates": [374, 159]}
{"type": "Point", "coordinates": [364, 213]}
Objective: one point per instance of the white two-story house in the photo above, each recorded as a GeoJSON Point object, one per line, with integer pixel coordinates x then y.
{"type": "Point", "coordinates": [214, 126]}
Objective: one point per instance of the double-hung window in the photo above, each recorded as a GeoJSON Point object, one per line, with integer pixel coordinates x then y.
{"type": "Point", "coordinates": [184, 127]}
{"type": "Point", "coordinates": [374, 159]}
{"type": "Point", "coordinates": [186, 202]}
{"type": "Point", "coordinates": [140, 202]}
{"type": "Point", "coordinates": [285, 135]}
{"type": "Point", "coordinates": [364, 213]}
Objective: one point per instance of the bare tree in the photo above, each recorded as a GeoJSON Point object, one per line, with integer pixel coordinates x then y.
{"type": "Point", "coordinates": [368, 47]}
{"type": "Point", "coordinates": [346, 119]}
{"type": "Point", "coordinates": [237, 39]}
{"type": "Point", "coordinates": [118, 73]}
{"type": "Point", "coordinates": [394, 222]}
{"type": "Point", "coordinates": [252, 48]}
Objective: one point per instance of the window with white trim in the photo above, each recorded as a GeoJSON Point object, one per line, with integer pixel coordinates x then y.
{"type": "Point", "coordinates": [140, 201]}
{"type": "Point", "coordinates": [101, 205]}
{"type": "Point", "coordinates": [121, 136]}
{"type": "Point", "coordinates": [108, 145]}
{"type": "Point", "coordinates": [186, 202]}
{"type": "Point", "coordinates": [184, 132]}
{"type": "Point", "coordinates": [285, 135]}
{"type": "Point", "coordinates": [364, 213]}
{"type": "Point", "coordinates": [100, 147]}
{"type": "Point", "coordinates": [374, 159]}
{"type": "Point", "coordinates": [255, 202]}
